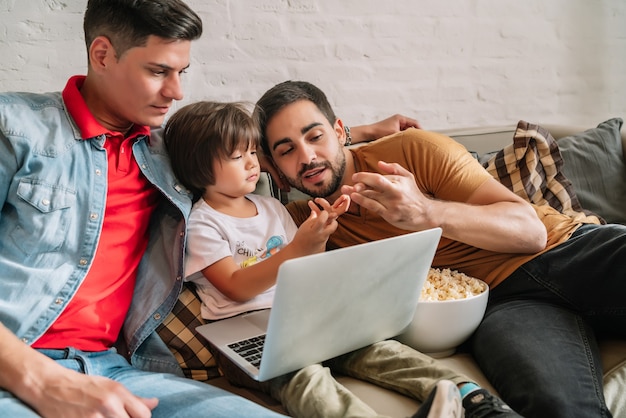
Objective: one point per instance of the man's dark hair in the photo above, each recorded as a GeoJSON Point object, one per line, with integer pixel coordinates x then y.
{"type": "Point", "coordinates": [200, 134]}
{"type": "Point", "coordinates": [129, 23]}
{"type": "Point", "coordinates": [284, 94]}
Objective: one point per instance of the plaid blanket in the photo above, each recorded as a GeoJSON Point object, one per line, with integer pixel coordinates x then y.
{"type": "Point", "coordinates": [178, 331]}
{"type": "Point", "coordinates": [531, 168]}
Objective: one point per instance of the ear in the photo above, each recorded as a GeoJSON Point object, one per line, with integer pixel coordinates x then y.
{"type": "Point", "coordinates": [340, 131]}
{"type": "Point", "coordinates": [101, 52]}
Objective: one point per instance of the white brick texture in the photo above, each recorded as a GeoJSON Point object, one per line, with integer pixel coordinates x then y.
{"type": "Point", "coordinates": [448, 64]}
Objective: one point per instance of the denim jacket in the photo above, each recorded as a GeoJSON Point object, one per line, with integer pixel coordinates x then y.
{"type": "Point", "coordinates": [52, 194]}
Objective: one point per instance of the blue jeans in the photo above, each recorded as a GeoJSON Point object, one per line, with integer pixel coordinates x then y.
{"type": "Point", "coordinates": [178, 397]}
{"type": "Point", "coordinates": [537, 342]}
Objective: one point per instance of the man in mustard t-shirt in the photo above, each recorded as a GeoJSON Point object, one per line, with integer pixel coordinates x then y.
{"type": "Point", "coordinates": [553, 279]}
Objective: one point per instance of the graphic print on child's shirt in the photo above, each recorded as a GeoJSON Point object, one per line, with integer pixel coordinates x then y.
{"type": "Point", "coordinates": [272, 246]}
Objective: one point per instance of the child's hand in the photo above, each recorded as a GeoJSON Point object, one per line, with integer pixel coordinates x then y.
{"type": "Point", "coordinates": [314, 232]}
{"type": "Point", "coordinates": [338, 208]}
{"type": "Point", "coordinates": [312, 235]}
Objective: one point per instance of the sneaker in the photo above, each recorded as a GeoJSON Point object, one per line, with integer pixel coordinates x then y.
{"type": "Point", "coordinates": [482, 404]}
{"type": "Point", "coordinates": [444, 401]}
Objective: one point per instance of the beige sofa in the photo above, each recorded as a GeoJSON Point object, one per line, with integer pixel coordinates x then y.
{"type": "Point", "coordinates": [480, 140]}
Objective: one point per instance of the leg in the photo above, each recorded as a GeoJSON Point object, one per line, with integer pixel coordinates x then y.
{"type": "Point", "coordinates": [178, 397]}
{"type": "Point", "coordinates": [13, 407]}
{"type": "Point", "coordinates": [587, 274]}
{"type": "Point", "coordinates": [542, 319]}
{"type": "Point", "coordinates": [182, 397]}
{"type": "Point", "coordinates": [309, 392]}
{"type": "Point", "coordinates": [395, 366]}
{"type": "Point", "coordinates": [314, 392]}
{"type": "Point", "coordinates": [541, 368]}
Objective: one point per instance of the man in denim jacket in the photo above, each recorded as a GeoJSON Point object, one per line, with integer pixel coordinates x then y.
{"type": "Point", "coordinates": [92, 227]}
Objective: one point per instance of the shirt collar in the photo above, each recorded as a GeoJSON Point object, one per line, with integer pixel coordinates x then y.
{"type": "Point", "coordinates": [87, 123]}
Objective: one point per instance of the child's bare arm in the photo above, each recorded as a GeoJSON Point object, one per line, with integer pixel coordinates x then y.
{"type": "Point", "coordinates": [242, 284]}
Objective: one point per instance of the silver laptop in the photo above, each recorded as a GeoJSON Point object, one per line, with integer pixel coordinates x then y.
{"type": "Point", "coordinates": [328, 304]}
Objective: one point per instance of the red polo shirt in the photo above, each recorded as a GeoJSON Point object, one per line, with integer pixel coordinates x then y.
{"type": "Point", "coordinates": [93, 318]}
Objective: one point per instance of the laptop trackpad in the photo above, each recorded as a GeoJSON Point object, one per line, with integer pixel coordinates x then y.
{"type": "Point", "coordinates": [258, 318]}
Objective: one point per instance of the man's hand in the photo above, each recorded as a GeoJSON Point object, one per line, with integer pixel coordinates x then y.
{"type": "Point", "coordinates": [396, 123]}
{"type": "Point", "coordinates": [392, 195]}
{"type": "Point", "coordinates": [56, 391]}
{"type": "Point", "coordinates": [338, 208]}
{"type": "Point", "coordinates": [391, 125]}
{"type": "Point", "coordinates": [77, 396]}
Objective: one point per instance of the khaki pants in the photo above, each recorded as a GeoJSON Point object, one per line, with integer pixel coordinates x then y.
{"type": "Point", "coordinates": [314, 392]}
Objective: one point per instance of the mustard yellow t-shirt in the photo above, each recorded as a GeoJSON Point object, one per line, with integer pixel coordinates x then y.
{"type": "Point", "coordinates": [443, 169]}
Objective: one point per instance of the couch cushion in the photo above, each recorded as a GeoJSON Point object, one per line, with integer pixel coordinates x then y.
{"type": "Point", "coordinates": [594, 163]}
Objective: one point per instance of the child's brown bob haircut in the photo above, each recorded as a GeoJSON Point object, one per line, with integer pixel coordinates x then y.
{"type": "Point", "coordinates": [201, 134]}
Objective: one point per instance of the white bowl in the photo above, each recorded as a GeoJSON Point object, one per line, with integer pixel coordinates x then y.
{"type": "Point", "coordinates": [438, 327]}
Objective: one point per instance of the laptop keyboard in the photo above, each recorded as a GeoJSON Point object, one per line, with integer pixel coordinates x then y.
{"type": "Point", "coordinates": [250, 349]}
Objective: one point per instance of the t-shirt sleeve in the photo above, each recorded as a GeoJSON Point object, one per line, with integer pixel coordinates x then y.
{"type": "Point", "coordinates": [205, 244]}
{"type": "Point", "coordinates": [288, 223]}
{"type": "Point", "coordinates": [443, 168]}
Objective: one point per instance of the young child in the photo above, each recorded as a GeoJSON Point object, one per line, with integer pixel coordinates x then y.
{"type": "Point", "coordinates": [213, 147]}
{"type": "Point", "coordinates": [237, 240]}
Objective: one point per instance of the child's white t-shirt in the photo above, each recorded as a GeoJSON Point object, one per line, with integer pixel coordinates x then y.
{"type": "Point", "coordinates": [213, 235]}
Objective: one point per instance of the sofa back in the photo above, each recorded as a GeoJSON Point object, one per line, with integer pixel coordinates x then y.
{"type": "Point", "coordinates": [492, 138]}
{"type": "Point", "coordinates": [608, 200]}
{"type": "Point", "coordinates": [599, 181]}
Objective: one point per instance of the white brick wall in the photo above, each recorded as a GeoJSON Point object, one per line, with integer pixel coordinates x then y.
{"type": "Point", "coordinates": [449, 64]}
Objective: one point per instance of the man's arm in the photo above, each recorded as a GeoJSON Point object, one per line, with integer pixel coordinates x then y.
{"type": "Point", "coordinates": [54, 391]}
{"type": "Point", "coordinates": [492, 218]}
{"type": "Point", "coordinates": [391, 125]}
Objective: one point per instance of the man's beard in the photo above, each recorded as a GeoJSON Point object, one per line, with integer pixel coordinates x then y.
{"type": "Point", "coordinates": [337, 168]}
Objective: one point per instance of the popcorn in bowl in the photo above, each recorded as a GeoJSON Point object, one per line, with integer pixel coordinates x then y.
{"type": "Point", "coordinates": [451, 307]}
{"type": "Point", "coordinates": [449, 284]}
